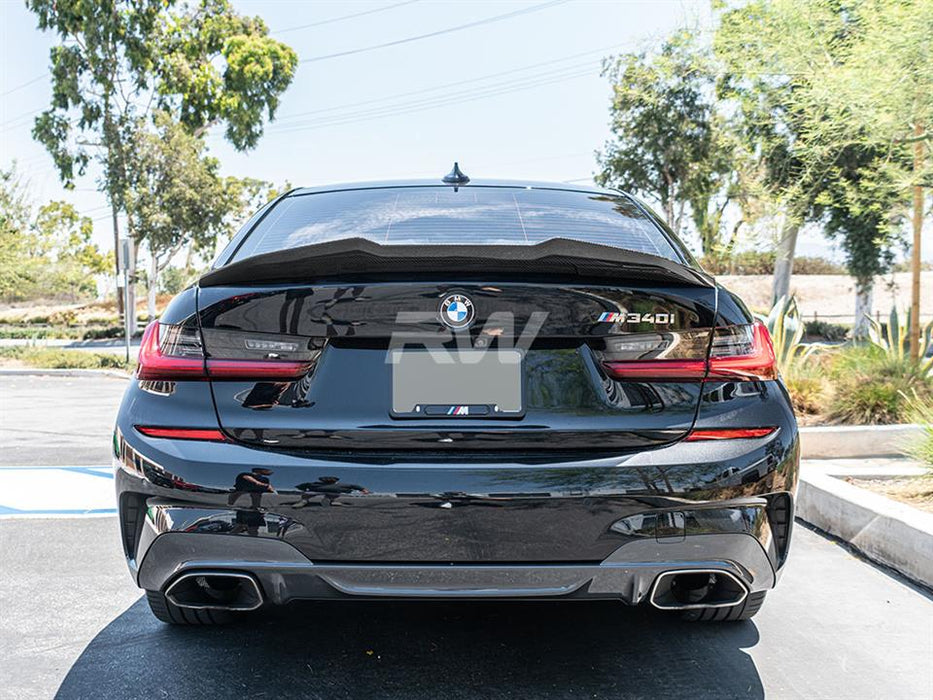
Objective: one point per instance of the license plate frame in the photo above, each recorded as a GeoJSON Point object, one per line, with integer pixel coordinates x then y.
{"type": "Point", "coordinates": [457, 384]}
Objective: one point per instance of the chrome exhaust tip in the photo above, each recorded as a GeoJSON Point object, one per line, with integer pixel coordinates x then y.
{"type": "Point", "coordinates": [215, 590]}
{"type": "Point", "coordinates": [697, 588]}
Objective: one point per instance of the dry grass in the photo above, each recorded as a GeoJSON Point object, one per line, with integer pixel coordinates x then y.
{"type": "Point", "coordinates": [914, 491]}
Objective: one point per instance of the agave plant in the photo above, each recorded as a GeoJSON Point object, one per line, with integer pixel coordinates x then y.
{"type": "Point", "coordinates": [894, 340]}
{"type": "Point", "coordinates": [786, 328]}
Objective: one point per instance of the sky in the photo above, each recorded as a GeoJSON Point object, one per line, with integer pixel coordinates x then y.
{"type": "Point", "coordinates": [519, 96]}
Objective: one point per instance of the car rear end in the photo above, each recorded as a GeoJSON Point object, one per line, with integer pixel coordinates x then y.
{"type": "Point", "coordinates": [457, 392]}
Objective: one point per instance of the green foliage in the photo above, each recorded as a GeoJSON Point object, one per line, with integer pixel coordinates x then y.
{"type": "Point", "coordinates": [761, 262]}
{"type": "Point", "coordinates": [807, 389]}
{"type": "Point", "coordinates": [48, 254]}
{"type": "Point", "coordinates": [920, 411]}
{"type": "Point", "coordinates": [829, 93]}
{"type": "Point", "coordinates": [747, 262]}
{"type": "Point", "coordinates": [15, 215]}
{"type": "Point", "coordinates": [667, 140]}
{"type": "Point", "coordinates": [221, 66]}
{"type": "Point", "coordinates": [808, 265]}
{"type": "Point", "coordinates": [859, 203]}
{"type": "Point", "coordinates": [175, 279]}
{"type": "Point", "coordinates": [869, 387]}
{"type": "Point", "coordinates": [832, 332]}
{"type": "Point", "coordinates": [28, 332]}
{"type": "Point", "coordinates": [53, 358]}
{"type": "Point", "coordinates": [127, 74]}
{"type": "Point", "coordinates": [177, 195]}
{"type": "Point", "coordinates": [786, 328]}
{"type": "Point", "coordinates": [893, 340]}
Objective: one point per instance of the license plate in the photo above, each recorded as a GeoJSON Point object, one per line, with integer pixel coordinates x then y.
{"type": "Point", "coordinates": [458, 384]}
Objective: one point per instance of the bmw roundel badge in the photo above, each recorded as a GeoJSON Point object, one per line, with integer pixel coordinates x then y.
{"type": "Point", "coordinates": [457, 311]}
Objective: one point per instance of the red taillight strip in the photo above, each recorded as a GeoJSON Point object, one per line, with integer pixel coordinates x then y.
{"type": "Point", "coordinates": [182, 433]}
{"type": "Point", "coordinates": [153, 365]}
{"type": "Point", "coordinates": [758, 366]}
{"type": "Point", "coordinates": [256, 369]}
{"type": "Point", "coordinates": [727, 434]}
{"type": "Point", "coordinates": [658, 370]}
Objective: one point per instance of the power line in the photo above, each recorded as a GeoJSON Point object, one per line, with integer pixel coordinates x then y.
{"type": "Point", "coordinates": [26, 84]}
{"type": "Point", "coordinates": [434, 88]}
{"type": "Point", "coordinates": [280, 31]}
{"type": "Point", "coordinates": [469, 25]}
{"type": "Point", "coordinates": [507, 87]}
{"type": "Point", "coordinates": [439, 100]}
{"type": "Point", "coordinates": [8, 124]}
{"type": "Point", "coordinates": [343, 17]}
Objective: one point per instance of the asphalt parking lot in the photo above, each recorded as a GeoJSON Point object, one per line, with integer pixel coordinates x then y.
{"type": "Point", "coordinates": [72, 624]}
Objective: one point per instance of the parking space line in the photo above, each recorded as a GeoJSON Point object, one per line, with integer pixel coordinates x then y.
{"type": "Point", "coordinates": [42, 491]}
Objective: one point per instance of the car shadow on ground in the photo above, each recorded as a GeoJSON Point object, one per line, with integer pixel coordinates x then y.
{"type": "Point", "coordinates": [421, 650]}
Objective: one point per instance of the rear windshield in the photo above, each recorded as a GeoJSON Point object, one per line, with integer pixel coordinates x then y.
{"type": "Point", "coordinates": [469, 216]}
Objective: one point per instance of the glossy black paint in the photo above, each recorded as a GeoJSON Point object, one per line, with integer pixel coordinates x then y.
{"type": "Point", "coordinates": [594, 474]}
{"type": "Point", "coordinates": [344, 404]}
{"type": "Point", "coordinates": [357, 509]}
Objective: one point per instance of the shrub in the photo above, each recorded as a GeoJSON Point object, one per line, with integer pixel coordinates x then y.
{"type": "Point", "coordinates": [757, 262]}
{"type": "Point", "coordinates": [55, 358]}
{"type": "Point", "coordinates": [101, 333]}
{"type": "Point", "coordinates": [869, 387]}
{"type": "Point", "coordinates": [893, 339]}
{"type": "Point", "coordinates": [806, 265]}
{"type": "Point", "coordinates": [786, 329]}
{"type": "Point", "coordinates": [102, 320]}
{"type": "Point", "coordinates": [830, 332]}
{"type": "Point", "coordinates": [749, 262]}
{"type": "Point", "coordinates": [808, 390]}
{"type": "Point", "coordinates": [920, 411]}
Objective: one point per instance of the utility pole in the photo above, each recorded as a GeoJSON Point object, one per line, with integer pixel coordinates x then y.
{"type": "Point", "coordinates": [124, 256]}
{"type": "Point", "coordinates": [915, 252]}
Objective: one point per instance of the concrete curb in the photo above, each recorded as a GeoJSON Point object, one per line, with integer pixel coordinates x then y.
{"type": "Point", "coordinates": [886, 531]}
{"type": "Point", "coordinates": [37, 372]}
{"type": "Point", "coordinates": [842, 441]}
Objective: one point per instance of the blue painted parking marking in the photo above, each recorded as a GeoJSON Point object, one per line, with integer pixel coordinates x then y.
{"type": "Point", "coordinates": [40, 490]}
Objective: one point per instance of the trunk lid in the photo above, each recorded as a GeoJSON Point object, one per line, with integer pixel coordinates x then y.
{"type": "Point", "coordinates": [354, 398]}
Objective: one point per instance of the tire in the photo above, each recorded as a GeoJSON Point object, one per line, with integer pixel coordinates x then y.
{"type": "Point", "coordinates": [749, 607]}
{"type": "Point", "coordinates": [171, 614]}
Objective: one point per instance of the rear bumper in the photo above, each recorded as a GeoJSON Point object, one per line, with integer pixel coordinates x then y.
{"type": "Point", "coordinates": [588, 528]}
{"type": "Point", "coordinates": [284, 574]}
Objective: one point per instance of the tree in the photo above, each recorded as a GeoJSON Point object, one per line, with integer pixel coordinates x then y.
{"type": "Point", "coordinates": [44, 254]}
{"type": "Point", "coordinates": [176, 195]}
{"type": "Point", "coordinates": [118, 60]}
{"type": "Point", "coordinates": [65, 236]}
{"type": "Point", "coordinates": [667, 141]}
{"type": "Point", "coordinates": [827, 83]}
{"type": "Point", "coordinates": [884, 70]}
{"type": "Point", "coordinates": [765, 48]}
{"type": "Point", "coordinates": [859, 203]}
{"type": "Point", "coordinates": [15, 214]}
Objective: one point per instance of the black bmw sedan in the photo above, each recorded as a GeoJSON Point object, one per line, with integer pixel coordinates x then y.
{"type": "Point", "coordinates": [461, 390]}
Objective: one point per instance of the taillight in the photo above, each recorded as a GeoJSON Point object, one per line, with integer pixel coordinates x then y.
{"type": "Point", "coordinates": [742, 352]}
{"type": "Point", "coordinates": [736, 353]}
{"type": "Point", "coordinates": [702, 434]}
{"type": "Point", "coordinates": [175, 352]}
{"type": "Point", "coordinates": [209, 434]}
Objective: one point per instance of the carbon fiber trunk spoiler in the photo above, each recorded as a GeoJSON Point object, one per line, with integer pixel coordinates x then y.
{"type": "Point", "coordinates": [360, 258]}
